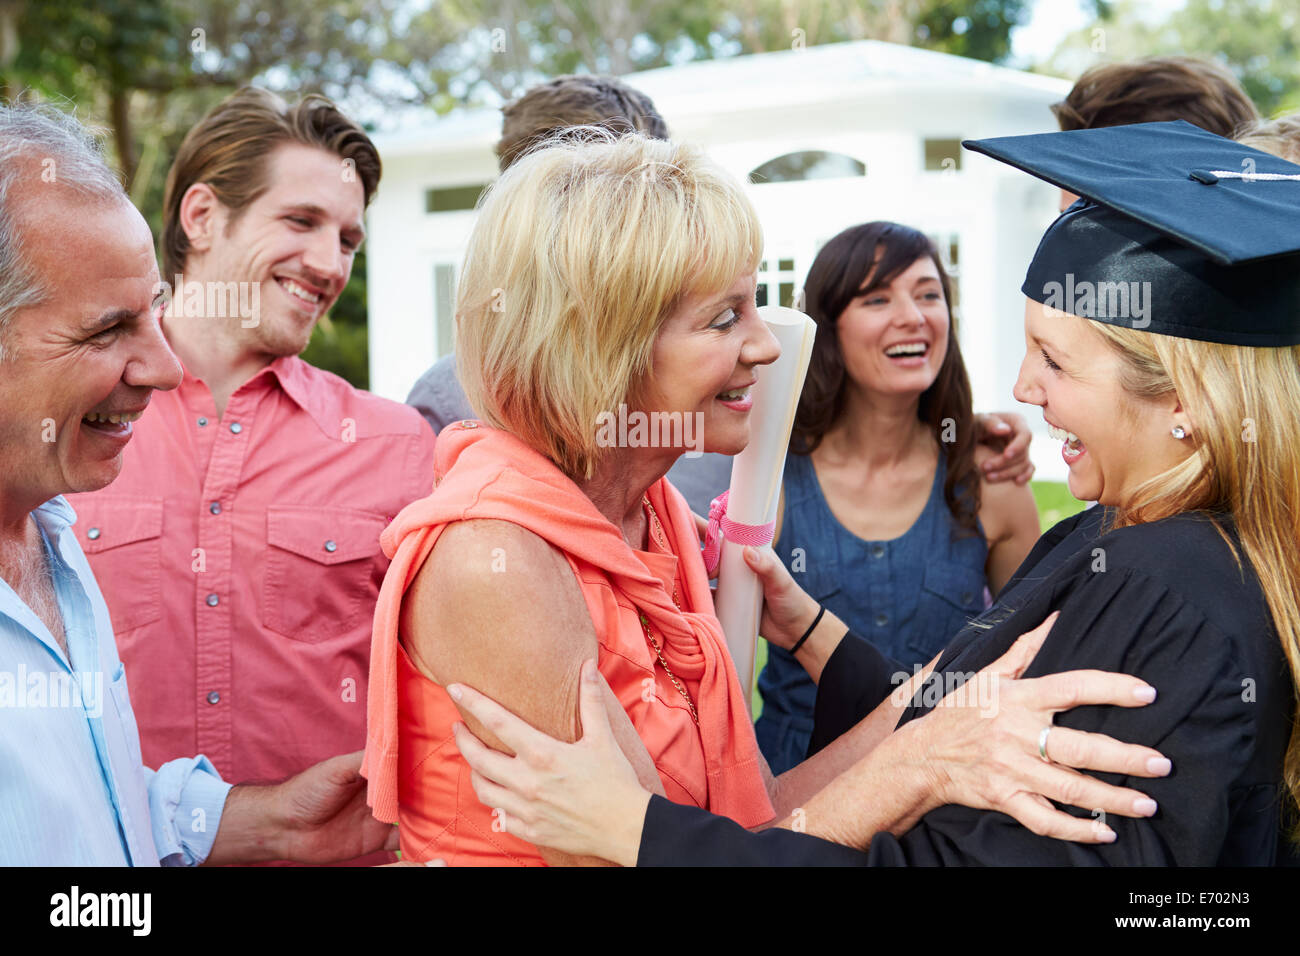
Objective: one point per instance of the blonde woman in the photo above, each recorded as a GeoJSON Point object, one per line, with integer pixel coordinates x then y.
{"type": "Point", "coordinates": [1178, 412]}
{"type": "Point", "coordinates": [613, 281]}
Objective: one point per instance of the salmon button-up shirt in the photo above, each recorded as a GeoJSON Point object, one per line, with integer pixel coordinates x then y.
{"type": "Point", "coordinates": [239, 556]}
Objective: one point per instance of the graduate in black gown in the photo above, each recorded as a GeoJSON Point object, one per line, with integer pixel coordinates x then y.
{"type": "Point", "coordinates": [1222, 715]}
{"type": "Point", "coordinates": [1161, 581]}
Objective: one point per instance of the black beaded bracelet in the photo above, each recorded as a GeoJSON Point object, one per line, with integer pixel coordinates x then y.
{"type": "Point", "coordinates": [808, 633]}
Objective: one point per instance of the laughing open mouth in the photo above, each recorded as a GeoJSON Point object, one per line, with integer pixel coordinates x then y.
{"type": "Point", "coordinates": [908, 350]}
{"type": "Point", "coordinates": [1073, 447]}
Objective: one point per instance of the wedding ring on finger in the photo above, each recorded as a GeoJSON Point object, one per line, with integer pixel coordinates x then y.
{"type": "Point", "coordinates": [1042, 743]}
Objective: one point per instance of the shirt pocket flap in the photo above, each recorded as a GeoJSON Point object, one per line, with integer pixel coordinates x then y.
{"type": "Point", "coordinates": [959, 585]}
{"type": "Point", "coordinates": [116, 521]}
{"type": "Point", "coordinates": [822, 578]}
{"type": "Point", "coordinates": [324, 535]}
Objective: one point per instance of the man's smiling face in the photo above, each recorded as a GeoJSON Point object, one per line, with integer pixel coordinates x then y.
{"type": "Point", "coordinates": [84, 361]}
{"type": "Point", "coordinates": [296, 241]}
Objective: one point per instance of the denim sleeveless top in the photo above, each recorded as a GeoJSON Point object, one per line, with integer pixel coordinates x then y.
{"type": "Point", "coordinates": [907, 596]}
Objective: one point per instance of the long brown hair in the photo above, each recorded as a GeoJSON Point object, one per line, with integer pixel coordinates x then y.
{"type": "Point", "coordinates": [845, 268]}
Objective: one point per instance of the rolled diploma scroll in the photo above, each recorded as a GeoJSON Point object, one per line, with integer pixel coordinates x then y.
{"type": "Point", "coordinates": [756, 482]}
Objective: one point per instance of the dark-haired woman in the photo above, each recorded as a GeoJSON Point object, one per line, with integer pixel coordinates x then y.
{"type": "Point", "coordinates": [885, 519]}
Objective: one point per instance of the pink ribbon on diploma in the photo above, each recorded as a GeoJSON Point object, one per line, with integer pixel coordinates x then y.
{"type": "Point", "coordinates": [720, 526]}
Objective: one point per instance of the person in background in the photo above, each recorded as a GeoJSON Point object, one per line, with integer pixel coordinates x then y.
{"type": "Point", "coordinates": [1153, 90]}
{"type": "Point", "coordinates": [239, 549]}
{"type": "Point", "coordinates": [565, 101]}
{"type": "Point", "coordinates": [885, 519]}
{"type": "Point", "coordinates": [82, 353]}
{"type": "Point", "coordinates": [604, 102]}
{"type": "Point", "coordinates": [1280, 136]}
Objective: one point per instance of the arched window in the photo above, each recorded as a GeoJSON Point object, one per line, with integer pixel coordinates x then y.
{"type": "Point", "coordinates": [809, 164]}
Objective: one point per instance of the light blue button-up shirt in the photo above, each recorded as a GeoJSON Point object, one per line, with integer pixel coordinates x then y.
{"type": "Point", "coordinates": [73, 790]}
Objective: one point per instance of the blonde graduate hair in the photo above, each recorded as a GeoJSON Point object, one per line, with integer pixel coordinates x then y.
{"type": "Point", "coordinates": [1242, 403]}
{"type": "Point", "coordinates": [581, 250]}
{"type": "Point", "coordinates": [1280, 136]}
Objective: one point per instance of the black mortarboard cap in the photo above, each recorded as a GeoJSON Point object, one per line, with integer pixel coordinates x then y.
{"type": "Point", "coordinates": [1177, 231]}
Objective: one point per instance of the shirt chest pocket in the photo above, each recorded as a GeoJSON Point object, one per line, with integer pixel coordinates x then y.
{"type": "Point", "coordinates": [122, 539]}
{"type": "Point", "coordinates": [951, 597]}
{"type": "Point", "coordinates": [323, 571]}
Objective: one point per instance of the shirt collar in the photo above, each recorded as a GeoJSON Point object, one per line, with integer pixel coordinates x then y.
{"type": "Point", "coordinates": [307, 386]}
{"type": "Point", "coordinates": [300, 382]}
{"type": "Point", "coordinates": [54, 517]}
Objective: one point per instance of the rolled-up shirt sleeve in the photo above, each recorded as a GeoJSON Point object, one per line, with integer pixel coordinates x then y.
{"type": "Point", "coordinates": [186, 798]}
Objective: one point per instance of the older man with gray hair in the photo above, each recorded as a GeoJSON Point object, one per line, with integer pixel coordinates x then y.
{"type": "Point", "coordinates": [81, 351]}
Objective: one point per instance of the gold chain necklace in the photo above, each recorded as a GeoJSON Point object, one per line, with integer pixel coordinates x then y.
{"type": "Point", "coordinates": [645, 623]}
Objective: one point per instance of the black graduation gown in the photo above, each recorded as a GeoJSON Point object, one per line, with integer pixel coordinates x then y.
{"type": "Point", "coordinates": [1164, 601]}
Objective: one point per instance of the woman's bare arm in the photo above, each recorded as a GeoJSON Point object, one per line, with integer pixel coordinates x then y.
{"type": "Point", "coordinates": [1009, 517]}
{"type": "Point", "coordinates": [497, 607]}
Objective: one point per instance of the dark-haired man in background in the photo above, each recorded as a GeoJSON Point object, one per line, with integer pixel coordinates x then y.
{"type": "Point", "coordinates": [1154, 90]}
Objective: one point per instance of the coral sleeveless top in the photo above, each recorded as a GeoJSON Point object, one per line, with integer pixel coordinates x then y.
{"type": "Point", "coordinates": [415, 775]}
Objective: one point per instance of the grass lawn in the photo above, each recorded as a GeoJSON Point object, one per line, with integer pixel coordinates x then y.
{"type": "Point", "coordinates": [1054, 503]}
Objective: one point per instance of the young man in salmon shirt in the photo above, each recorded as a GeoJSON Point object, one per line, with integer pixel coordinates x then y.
{"type": "Point", "coordinates": [239, 548]}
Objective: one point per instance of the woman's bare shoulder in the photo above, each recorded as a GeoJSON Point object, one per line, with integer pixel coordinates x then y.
{"type": "Point", "coordinates": [480, 556]}
{"type": "Point", "coordinates": [489, 590]}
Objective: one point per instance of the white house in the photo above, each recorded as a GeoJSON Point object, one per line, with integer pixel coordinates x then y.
{"type": "Point", "coordinates": [832, 135]}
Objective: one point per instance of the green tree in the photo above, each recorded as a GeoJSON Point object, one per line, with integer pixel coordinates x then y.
{"type": "Point", "coordinates": [339, 342]}
{"type": "Point", "coordinates": [149, 69]}
{"type": "Point", "coordinates": [1259, 40]}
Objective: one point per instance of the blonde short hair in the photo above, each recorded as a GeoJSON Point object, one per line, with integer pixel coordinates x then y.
{"type": "Point", "coordinates": [580, 252]}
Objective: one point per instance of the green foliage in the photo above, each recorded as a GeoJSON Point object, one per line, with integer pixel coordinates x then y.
{"type": "Point", "coordinates": [341, 348]}
{"type": "Point", "coordinates": [340, 342]}
{"type": "Point", "coordinates": [980, 29]}
{"type": "Point", "coordinates": [1054, 502]}
{"type": "Point", "coordinates": [1259, 40]}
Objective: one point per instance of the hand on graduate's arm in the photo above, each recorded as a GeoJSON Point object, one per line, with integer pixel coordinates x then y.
{"type": "Point", "coordinates": [318, 816]}
{"type": "Point", "coordinates": [1008, 434]}
{"type": "Point", "coordinates": [979, 748]}
{"type": "Point", "coordinates": [582, 798]}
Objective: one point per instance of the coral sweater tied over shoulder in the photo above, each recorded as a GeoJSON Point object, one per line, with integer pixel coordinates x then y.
{"type": "Point", "coordinates": [415, 775]}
